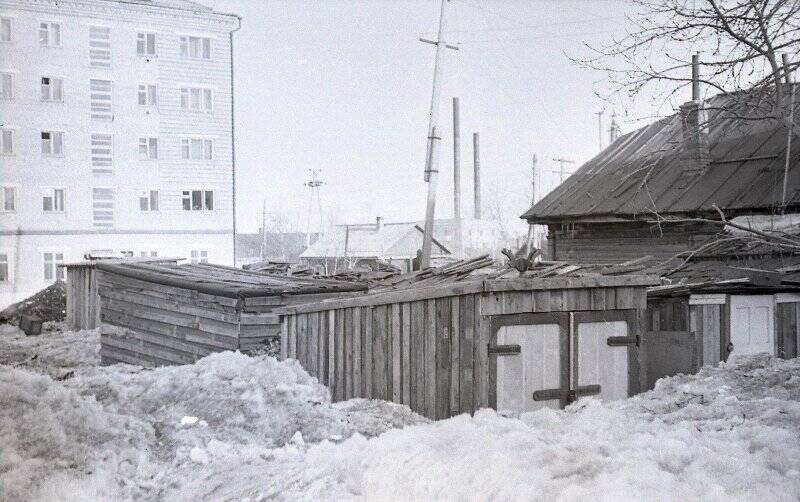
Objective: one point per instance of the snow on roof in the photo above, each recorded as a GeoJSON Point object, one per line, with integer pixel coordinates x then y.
{"type": "Point", "coordinates": [368, 241]}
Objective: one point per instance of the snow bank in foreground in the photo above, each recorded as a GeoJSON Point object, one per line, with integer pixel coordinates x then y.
{"type": "Point", "coordinates": [729, 433]}
{"type": "Point", "coordinates": [231, 427]}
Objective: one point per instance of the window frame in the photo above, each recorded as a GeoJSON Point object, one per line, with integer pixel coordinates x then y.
{"type": "Point", "coordinates": [151, 147]}
{"type": "Point", "coordinates": [143, 38]}
{"type": "Point", "coordinates": [185, 47]}
{"type": "Point", "coordinates": [51, 265]}
{"type": "Point", "coordinates": [3, 199]}
{"type": "Point", "coordinates": [12, 133]}
{"type": "Point", "coordinates": [3, 21]}
{"type": "Point", "coordinates": [51, 89]}
{"type": "Point", "coordinates": [143, 89]}
{"type": "Point", "coordinates": [49, 28]}
{"type": "Point", "coordinates": [187, 150]}
{"type": "Point", "coordinates": [205, 103]}
{"type": "Point", "coordinates": [148, 196]}
{"type": "Point", "coordinates": [188, 196]}
{"type": "Point", "coordinates": [197, 256]}
{"type": "Point", "coordinates": [9, 259]}
{"type": "Point", "coordinates": [52, 195]}
{"type": "Point", "coordinates": [52, 143]}
{"type": "Point", "coordinates": [12, 80]}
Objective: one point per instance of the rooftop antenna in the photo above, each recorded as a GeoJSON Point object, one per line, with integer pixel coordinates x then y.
{"type": "Point", "coordinates": [314, 183]}
{"type": "Point", "coordinates": [432, 149]}
{"type": "Point", "coordinates": [561, 170]}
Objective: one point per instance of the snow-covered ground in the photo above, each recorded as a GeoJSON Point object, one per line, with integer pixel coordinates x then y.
{"type": "Point", "coordinates": [231, 427]}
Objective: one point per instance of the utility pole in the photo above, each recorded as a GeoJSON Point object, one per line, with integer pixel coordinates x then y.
{"type": "Point", "coordinates": [600, 128]}
{"type": "Point", "coordinates": [263, 229]}
{"type": "Point", "coordinates": [534, 160]}
{"type": "Point", "coordinates": [476, 174]}
{"type": "Point", "coordinates": [457, 178]}
{"type": "Point", "coordinates": [788, 78]}
{"type": "Point", "coordinates": [432, 153]}
{"type": "Point", "coordinates": [561, 171]}
{"type": "Point", "coordinates": [314, 183]}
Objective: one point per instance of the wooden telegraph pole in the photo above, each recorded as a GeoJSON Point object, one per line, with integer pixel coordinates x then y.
{"type": "Point", "coordinates": [457, 179]}
{"type": "Point", "coordinates": [432, 154]}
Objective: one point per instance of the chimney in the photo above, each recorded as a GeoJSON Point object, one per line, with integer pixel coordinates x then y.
{"type": "Point", "coordinates": [378, 223]}
{"type": "Point", "coordinates": [694, 155]}
{"type": "Point", "coordinates": [476, 162]}
{"type": "Point", "coordinates": [613, 132]}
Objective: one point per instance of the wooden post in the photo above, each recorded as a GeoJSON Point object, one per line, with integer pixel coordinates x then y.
{"type": "Point", "coordinates": [432, 157]}
{"type": "Point", "coordinates": [457, 179]}
{"type": "Point", "coordinates": [788, 78]}
{"type": "Point", "coordinates": [476, 163]}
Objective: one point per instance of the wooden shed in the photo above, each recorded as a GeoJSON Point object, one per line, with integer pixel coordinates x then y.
{"type": "Point", "coordinates": [157, 314]}
{"type": "Point", "coordinates": [457, 346]}
{"type": "Point", "coordinates": [83, 302]}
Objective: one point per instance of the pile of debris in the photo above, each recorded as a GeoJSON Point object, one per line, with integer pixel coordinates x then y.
{"type": "Point", "coordinates": [49, 304]}
{"type": "Point", "coordinates": [275, 267]}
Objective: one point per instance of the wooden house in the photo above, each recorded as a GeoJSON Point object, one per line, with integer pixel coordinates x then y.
{"type": "Point", "coordinates": [459, 342]}
{"type": "Point", "coordinates": [155, 314]}
{"type": "Point", "coordinates": [621, 205]}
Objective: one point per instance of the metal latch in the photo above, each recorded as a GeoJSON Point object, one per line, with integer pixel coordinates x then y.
{"type": "Point", "coordinates": [550, 394]}
{"type": "Point", "coordinates": [621, 341]}
{"type": "Point", "coordinates": [583, 390]}
{"type": "Point", "coordinates": [505, 350]}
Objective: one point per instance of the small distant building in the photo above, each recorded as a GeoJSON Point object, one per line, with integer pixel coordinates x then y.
{"type": "Point", "coordinates": [277, 246]}
{"type": "Point", "coordinates": [364, 245]}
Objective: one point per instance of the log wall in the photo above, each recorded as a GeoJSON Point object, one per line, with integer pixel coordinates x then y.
{"type": "Point", "coordinates": [428, 353]}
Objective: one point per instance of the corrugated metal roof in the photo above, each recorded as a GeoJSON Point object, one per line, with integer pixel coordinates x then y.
{"type": "Point", "coordinates": [640, 173]}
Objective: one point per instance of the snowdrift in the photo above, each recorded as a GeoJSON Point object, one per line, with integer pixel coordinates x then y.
{"type": "Point", "coordinates": [231, 427]}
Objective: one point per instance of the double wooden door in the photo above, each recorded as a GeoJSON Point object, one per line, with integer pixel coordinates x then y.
{"type": "Point", "coordinates": [553, 359]}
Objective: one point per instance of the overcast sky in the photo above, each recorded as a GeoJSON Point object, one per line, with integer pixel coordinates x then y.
{"type": "Point", "coordinates": [345, 87]}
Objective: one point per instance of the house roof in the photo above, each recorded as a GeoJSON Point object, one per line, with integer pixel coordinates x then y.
{"type": "Point", "coordinates": [367, 241]}
{"type": "Point", "coordinates": [640, 173]}
{"type": "Point", "coordinates": [280, 245]}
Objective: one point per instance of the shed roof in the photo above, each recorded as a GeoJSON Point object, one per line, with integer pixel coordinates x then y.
{"type": "Point", "coordinates": [226, 281]}
{"type": "Point", "coordinates": [640, 173]}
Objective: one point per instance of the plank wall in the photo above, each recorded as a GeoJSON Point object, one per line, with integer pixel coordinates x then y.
{"type": "Point", "coordinates": [430, 354]}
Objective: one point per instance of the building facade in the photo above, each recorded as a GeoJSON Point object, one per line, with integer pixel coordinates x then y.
{"type": "Point", "coordinates": [117, 134]}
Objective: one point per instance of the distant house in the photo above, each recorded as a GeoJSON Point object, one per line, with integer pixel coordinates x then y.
{"type": "Point", "coordinates": [678, 167]}
{"type": "Point", "coordinates": [364, 245]}
{"type": "Point", "coordinates": [277, 246]}
{"type": "Point", "coordinates": [731, 293]}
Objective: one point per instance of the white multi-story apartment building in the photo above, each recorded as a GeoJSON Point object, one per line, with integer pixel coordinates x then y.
{"type": "Point", "coordinates": [116, 134]}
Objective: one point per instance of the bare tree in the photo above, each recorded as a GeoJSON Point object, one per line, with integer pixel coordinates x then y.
{"type": "Point", "coordinates": [741, 42]}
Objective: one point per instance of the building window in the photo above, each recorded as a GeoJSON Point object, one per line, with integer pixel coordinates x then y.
{"type": "Point", "coordinates": [99, 47]}
{"type": "Point", "coordinates": [7, 86]}
{"type": "Point", "coordinates": [100, 96]}
{"type": "Point", "coordinates": [5, 29]}
{"type": "Point", "coordinates": [102, 153]}
{"type": "Point", "coordinates": [53, 200]}
{"type": "Point", "coordinates": [147, 95]}
{"type": "Point", "coordinates": [7, 141]}
{"type": "Point", "coordinates": [8, 199]}
{"type": "Point", "coordinates": [196, 99]}
{"type": "Point", "coordinates": [195, 47]}
{"type": "Point", "coordinates": [199, 256]}
{"type": "Point", "coordinates": [50, 34]}
{"type": "Point", "coordinates": [197, 149]}
{"type": "Point", "coordinates": [146, 44]}
{"type": "Point", "coordinates": [52, 271]}
{"type": "Point", "coordinates": [4, 277]}
{"type": "Point", "coordinates": [148, 200]}
{"type": "Point", "coordinates": [52, 89]}
{"type": "Point", "coordinates": [148, 148]}
{"type": "Point", "coordinates": [103, 207]}
{"type": "Point", "coordinates": [52, 143]}
{"type": "Point", "coordinates": [198, 200]}
{"type": "Point", "coordinates": [148, 254]}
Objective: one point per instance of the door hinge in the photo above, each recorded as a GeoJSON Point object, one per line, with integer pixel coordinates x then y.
{"type": "Point", "coordinates": [550, 394]}
{"type": "Point", "coordinates": [621, 341]}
